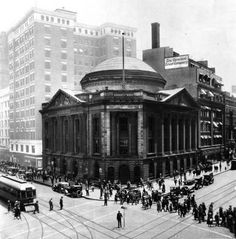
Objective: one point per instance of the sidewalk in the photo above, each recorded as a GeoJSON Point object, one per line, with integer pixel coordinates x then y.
{"type": "Point", "coordinates": [169, 182]}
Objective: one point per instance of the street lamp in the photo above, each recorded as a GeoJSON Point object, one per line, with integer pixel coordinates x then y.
{"type": "Point", "coordinates": [124, 208]}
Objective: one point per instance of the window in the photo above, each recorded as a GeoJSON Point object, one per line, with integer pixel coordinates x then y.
{"type": "Point", "coordinates": [63, 55]}
{"type": "Point", "coordinates": [33, 149]}
{"type": "Point", "coordinates": [22, 148]}
{"type": "Point", "coordinates": [63, 67]}
{"type": "Point", "coordinates": [47, 41]}
{"type": "Point", "coordinates": [63, 43]}
{"type": "Point", "coordinates": [27, 148]}
{"type": "Point", "coordinates": [16, 147]}
{"type": "Point", "coordinates": [47, 88]}
{"type": "Point", "coordinates": [64, 78]}
{"type": "Point", "coordinates": [47, 77]}
{"type": "Point", "coordinates": [47, 64]}
{"type": "Point", "coordinates": [47, 53]}
{"type": "Point", "coordinates": [42, 17]}
{"type": "Point", "coordinates": [96, 135]}
{"type": "Point", "coordinates": [124, 135]}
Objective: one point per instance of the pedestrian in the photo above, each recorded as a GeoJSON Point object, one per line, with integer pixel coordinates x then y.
{"type": "Point", "coordinates": [50, 205]}
{"type": "Point", "coordinates": [61, 203]}
{"type": "Point", "coordinates": [217, 219]}
{"type": "Point", "coordinates": [175, 180]}
{"type": "Point", "coordinates": [118, 217]}
{"type": "Point", "coordinates": [36, 207]}
{"type": "Point", "coordinates": [163, 188]}
{"type": "Point", "coordinates": [220, 166]}
{"type": "Point", "coordinates": [9, 206]}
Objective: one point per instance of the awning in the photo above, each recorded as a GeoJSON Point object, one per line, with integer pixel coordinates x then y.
{"type": "Point", "coordinates": [203, 92]}
{"type": "Point", "coordinates": [210, 93]}
{"type": "Point", "coordinates": [218, 82]}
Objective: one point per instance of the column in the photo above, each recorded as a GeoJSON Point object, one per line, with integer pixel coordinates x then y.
{"type": "Point", "coordinates": [162, 134]}
{"type": "Point", "coordinates": [71, 133]}
{"type": "Point", "coordinates": [170, 135]}
{"type": "Point", "coordinates": [177, 134]}
{"type": "Point", "coordinates": [184, 135]}
{"type": "Point", "coordinates": [130, 134]}
{"type": "Point", "coordinates": [196, 136]}
{"type": "Point", "coordinates": [190, 134]}
{"type": "Point", "coordinates": [155, 169]}
{"type": "Point", "coordinates": [113, 134]}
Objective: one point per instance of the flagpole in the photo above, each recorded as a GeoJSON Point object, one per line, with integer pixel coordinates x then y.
{"type": "Point", "coordinates": [123, 61]}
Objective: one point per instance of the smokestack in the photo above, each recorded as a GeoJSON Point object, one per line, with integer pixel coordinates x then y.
{"type": "Point", "coordinates": [155, 35]}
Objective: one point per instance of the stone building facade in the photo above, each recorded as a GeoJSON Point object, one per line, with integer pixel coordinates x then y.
{"type": "Point", "coordinates": [120, 130]}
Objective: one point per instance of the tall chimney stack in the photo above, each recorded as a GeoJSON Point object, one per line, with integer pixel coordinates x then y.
{"type": "Point", "coordinates": [155, 35]}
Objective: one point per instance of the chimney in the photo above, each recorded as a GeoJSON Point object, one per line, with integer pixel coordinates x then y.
{"type": "Point", "coordinates": [155, 35]}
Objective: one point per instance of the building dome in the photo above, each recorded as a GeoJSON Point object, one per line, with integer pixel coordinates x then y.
{"type": "Point", "coordinates": [109, 75]}
{"type": "Point", "coordinates": [131, 63]}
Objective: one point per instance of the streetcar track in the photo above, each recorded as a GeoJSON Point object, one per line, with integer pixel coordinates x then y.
{"type": "Point", "coordinates": [42, 230]}
{"type": "Point", "coordinates": [188, 217]}
{"type": "Point", "coordinates": [76, 217]}
{"type": "Point", "coordinates": [28, 227]}
{"type": "Point", "coordinates": [164, 216]}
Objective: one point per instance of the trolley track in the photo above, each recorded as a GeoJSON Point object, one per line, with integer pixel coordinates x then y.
{"type": "Point", "coordinates": [227, 186]}
{"type": "Point", "coordinates": [84, 221]}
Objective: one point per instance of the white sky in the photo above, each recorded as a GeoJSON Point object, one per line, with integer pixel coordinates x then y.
{"type": "Point", "coordinates": [204, 29]}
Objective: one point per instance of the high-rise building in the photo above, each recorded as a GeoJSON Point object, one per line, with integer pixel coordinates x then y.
{"type": "Point", "coordinates": [49, 50]}
{"type": "Point", "coordinates": [4, 76]}
{"type": "Point", "coordinates": [4, 123]}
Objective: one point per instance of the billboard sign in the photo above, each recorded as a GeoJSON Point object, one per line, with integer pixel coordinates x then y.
{"type": "Point", "coordinates": [176, 62]}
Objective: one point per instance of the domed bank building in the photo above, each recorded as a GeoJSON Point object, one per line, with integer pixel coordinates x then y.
{"type": "Point", "coordinates": [123, 125]}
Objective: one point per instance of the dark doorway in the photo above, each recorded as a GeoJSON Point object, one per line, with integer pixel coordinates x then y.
{"type": "Point", "coordinates": [159, 168]}
{"type": "Point", "coordinates": [96, 170]}
{"type": "Point", "coordinates": [111, 174]}
{"type": "Point", "coordinates": [151, 170]}
{"type": "Point", "coordinates": [137, 174]}
{"type": "Point", "coordinates": [124, 174]}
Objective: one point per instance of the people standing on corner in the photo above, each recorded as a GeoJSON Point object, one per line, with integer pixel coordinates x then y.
{"type": "Point", "coordinates": [61, 203]}
{"type": "Point", "coordinates": [9, 206]}
{"type": "Point", "coordinates": [36, 207]}
{"type": "Point", "coordinates": [118, 217]}
{"type": "Point", "coordinates": [50, 205]}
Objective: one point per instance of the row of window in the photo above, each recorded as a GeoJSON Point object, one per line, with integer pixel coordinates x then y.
{"type": "Point", "coordinates": [4, 114]}
{"type": "Point", "coordinates": [27, 135]}
{"type": "Point", "coordinates": [25, 124]}
{"type": "Point", "coordinates": [3, 133]}
{"type": "Point", "coordinates": [63, 42]}
{"type": "Point", "coordinates": [47, 53]}
{"type": "Point", "coordinates": [22, 38]}
{"type": "Point", "coordinates": [3, 123]}
{"type": "Point", "coordinates": [55, 20]}
{"type": "Point", "coordinates": [23, 113]}
{"type": "Point", "coordinates": [24, 70]}
{"type": "Point", "coordinates": [23, 148]}
{"type": "Point", "coordinates": [4, 142]}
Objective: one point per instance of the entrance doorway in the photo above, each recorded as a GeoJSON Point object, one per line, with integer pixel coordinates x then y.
{"type": "Point", "coordinates": [124, 174]}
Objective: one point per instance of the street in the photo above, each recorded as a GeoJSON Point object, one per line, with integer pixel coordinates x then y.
{"type": "Point", "coordinates": [84, 218]}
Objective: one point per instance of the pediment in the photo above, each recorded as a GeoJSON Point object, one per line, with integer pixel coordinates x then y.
{"type": "Point", "coordinates": [62, 98]}
{"type": "Point", "coordinates": [182, 98]}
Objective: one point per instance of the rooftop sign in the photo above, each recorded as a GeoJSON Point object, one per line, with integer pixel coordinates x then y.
{"type": "Point", "coordinates": [176, 62]}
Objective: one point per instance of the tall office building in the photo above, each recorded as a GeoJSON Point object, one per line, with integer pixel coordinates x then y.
{"type": "Point", "coordinates": [49, 50]}
{"type": "Point", "coordinates": [4, 123]}
{"type": "Point", "coordinates": [4, 76]}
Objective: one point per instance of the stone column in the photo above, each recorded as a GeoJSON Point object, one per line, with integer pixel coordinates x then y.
{"type": "Point", "coordinates": [190, 134]}
{"type": "Point", "coordinates": [155, 169]}
{"type": "Point", "coordinates": [162, 135]}
{"type": "Point", "coordinates": [113, 134]}
{"type": "Point", "coordinates": [71, 133]}
{"type": "Point", "coordinates": [184, 135]}
{"type": "Point", "coordinates": [140, 134]}
{"type": "Point", "coordinates": [170, 135]}
{"type": "Point", "coordinates": [177, 135]}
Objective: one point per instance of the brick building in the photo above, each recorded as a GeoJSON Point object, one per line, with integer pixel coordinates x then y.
{"type": "Point", "coordinates": [120, 127]}
{"type": "Point", "coordinates": [50, 50]}
{"type": "Point", "coordinates": [202, 83]}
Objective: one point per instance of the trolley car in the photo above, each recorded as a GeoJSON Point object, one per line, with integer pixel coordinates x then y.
{"type": "Point", "coordinates": [15, 189]}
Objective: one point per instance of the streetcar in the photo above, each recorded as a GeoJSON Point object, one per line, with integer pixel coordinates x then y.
{"type": "Point", "coordinates": [16, 189]}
